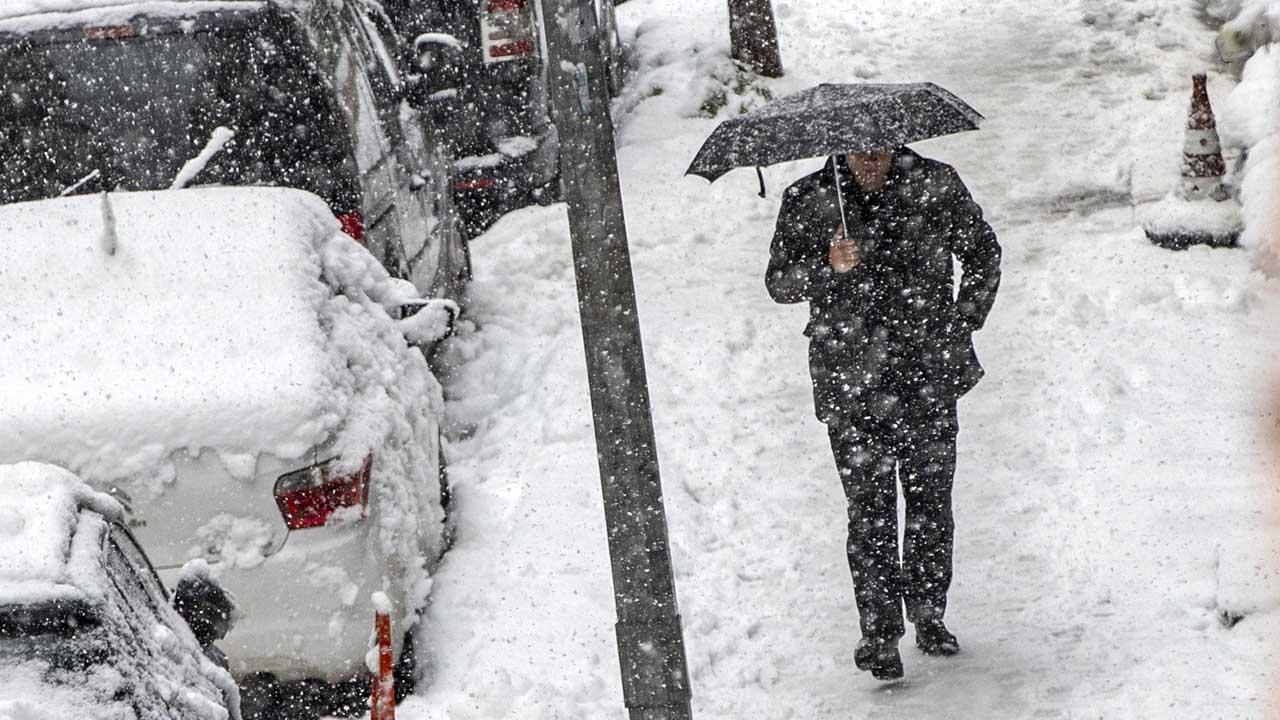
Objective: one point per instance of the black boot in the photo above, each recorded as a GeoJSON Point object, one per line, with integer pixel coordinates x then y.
{"type": "Point", "coordinates": [879, 657]}
{"type": "Point", "coordinates": [933, 638]}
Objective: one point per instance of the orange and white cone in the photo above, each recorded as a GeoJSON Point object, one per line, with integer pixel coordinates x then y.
{"type": "Point", "coordinates": [1202, 163]}
{"type": "Point", "coordinates": [1199, 211]}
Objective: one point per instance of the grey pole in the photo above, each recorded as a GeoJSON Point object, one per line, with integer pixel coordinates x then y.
{"type": "Point", "coordinates": [753, 36]}
{"type": "Point", "coordinates": [655, 679]}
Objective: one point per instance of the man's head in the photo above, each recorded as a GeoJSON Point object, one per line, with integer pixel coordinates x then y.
{"type": "Point", "coordinates": [870, 169]}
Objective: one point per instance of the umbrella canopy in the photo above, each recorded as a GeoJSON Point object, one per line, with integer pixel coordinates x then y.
{"type": "Point", "coordinates": [833, 120]}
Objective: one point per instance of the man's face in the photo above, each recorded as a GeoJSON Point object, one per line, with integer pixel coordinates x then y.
{"type": "Point", "coordinates": [870, 166]}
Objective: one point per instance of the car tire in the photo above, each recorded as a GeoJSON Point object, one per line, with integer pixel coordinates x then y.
{"type": "Point", "coordinates": [406, 669]}
{"type": "Point", "coordinates": [259, 696]}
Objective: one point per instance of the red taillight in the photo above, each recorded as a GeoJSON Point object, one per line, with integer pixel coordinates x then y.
{"type": "Point", "coordinates": [515, 49]}
{"type": "Point", "coordinates": [308, 497]}
{"type": "Point", "coordinates": [352, 224]}
{"type": "Point", "coordinates": [475, 184]}
{"type": "Point", "coordinates": [110, 32]}
{"type": "Point", "coordinates": [507, 29]}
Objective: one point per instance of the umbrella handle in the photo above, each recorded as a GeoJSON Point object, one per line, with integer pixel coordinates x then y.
{"type": "Point", "coordinates": [835, 173]}
{"type": "Point", "coordinates": [760, 174]}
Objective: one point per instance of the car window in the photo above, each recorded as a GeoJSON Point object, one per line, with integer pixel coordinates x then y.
{"type": "Point", "coordinates": [375, 51]}
{"type": "Point", "coordinates": [127, 113]}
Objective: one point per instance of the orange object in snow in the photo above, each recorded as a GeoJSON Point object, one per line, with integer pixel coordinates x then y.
{"type": "Point", "coordinates": [382, 704]}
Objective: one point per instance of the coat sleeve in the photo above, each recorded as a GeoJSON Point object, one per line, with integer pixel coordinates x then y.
{"type": "Point", "coordinates": [798, 267]}
{"type": "Point", "coordinates": [974, 244]}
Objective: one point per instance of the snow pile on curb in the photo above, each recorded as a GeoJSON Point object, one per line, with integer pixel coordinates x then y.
{"type": "Point", "coordinates": [1174, 215]}
{"type": "Point", "coordinates": [1252, 120]}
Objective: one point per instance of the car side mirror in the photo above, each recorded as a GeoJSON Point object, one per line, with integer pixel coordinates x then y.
{"type": "Point", "coordinates": [439, 62]}
{"type": "Point", "coordinates": [425, 323]}
{"type": "Point", "coordinates": [200, 600]}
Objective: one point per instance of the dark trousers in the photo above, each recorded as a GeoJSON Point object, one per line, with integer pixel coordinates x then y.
{"type": "Point", "coordinates": [919, 449]}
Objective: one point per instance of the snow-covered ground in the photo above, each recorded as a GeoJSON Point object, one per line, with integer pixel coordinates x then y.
{"type": "Point", "coordinates": [1115, 498]}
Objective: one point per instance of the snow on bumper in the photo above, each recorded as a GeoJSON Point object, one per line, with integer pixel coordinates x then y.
{"type": "Point", "coordinates": [305, 612]}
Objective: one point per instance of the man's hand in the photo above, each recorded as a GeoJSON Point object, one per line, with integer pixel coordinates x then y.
{"type": "Point", "coordinates": [843, 255]}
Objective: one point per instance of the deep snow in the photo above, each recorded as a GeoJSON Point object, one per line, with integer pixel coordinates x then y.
{"type": "Point", "coordinates": [1115, 502]}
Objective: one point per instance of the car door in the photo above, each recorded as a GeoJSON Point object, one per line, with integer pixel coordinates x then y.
{"type": "Point", "coordinates": [433, 250]}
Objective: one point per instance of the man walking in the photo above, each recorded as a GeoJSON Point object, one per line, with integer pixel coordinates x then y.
{"type": "Point", "coordinates": [868, 242]}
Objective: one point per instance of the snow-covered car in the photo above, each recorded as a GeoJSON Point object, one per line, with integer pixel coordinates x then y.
{"type": "Point", "coordinates": [121, 95]}
{"type": "Point", "coordinates": [86, 628]}
{"type": "Point", "coordinates": [227, 364]}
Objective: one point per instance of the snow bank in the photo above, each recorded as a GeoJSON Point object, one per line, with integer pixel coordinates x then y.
{"type": "Point", "coordinates": [1173, 215]}
{"type": "Point", "coordinates": [1252, 119]}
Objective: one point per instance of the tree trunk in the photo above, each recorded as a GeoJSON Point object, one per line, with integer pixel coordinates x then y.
{"type": "Point", "coordinates": [754, 36]}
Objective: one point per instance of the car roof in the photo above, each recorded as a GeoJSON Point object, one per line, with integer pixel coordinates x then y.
{"type": "Point", "coordinates": [23, 17]}
{"type": "Point", "coordinates": [50, 530]}
{"type": "Point", "coordinates": [20, 8]}
{"type": "Point", "coordinates": [197, 326]}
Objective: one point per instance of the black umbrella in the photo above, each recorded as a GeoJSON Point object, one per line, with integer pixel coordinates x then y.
{"type": "Point", "coordinates": [833, 120]}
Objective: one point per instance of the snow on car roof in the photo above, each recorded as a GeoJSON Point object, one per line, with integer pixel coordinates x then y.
{"type": "Point", "coordinates": [18, 8]}
{"type": "Point", "coordinates": [26, 16]}
{"type": "Point", "coordinates": [42, 553]}
{"type": "Point", "coordinates": [201, 330]}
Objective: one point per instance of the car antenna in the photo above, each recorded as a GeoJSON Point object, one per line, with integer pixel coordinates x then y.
{"type": "Point", "coordinates": [80, 183]}
{"type": "Point", "coordinates": [109, 239]}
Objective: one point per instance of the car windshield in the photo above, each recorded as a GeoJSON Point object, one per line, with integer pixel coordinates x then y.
{"type": "Point", "coordinates": [56, 618]}
{"type": "Point", "coordinates": [126, 112]}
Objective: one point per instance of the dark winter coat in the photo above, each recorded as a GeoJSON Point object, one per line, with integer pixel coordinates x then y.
{"type": "Point", "coordinates": [889, 336]}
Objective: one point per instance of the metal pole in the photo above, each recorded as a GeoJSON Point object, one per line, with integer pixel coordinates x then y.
{"type": "Point", "coordinates": [753, 36]}
{"type": "Point", "coordinates": [655, 678]}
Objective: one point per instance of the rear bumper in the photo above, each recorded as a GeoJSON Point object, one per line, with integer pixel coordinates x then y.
{"type": "Point", "coordinates": [305, 611]}
{"type": "Point", "coordinates": [497, 174]}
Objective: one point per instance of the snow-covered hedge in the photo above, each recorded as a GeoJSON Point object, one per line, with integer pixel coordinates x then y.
{"type": "Point", "coordinates": [1251, 119]}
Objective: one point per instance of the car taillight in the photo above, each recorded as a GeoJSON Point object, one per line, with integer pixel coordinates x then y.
{"type": "Point", "coordinates": [110, 32]}
{"type": "Point", "coordinates": [474, 184]}
{"type": "Point", "coordinates": [507, 28]}
{"type": "Point", "coordinates": [308, 497]}
{"type": "Point", "coordinates": [352, 224]}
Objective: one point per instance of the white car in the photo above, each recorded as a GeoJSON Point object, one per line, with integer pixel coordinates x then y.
{"type": "Point", "coordinates": [86, 629]}
{"type": "Point", "coordinates": [225, 362]}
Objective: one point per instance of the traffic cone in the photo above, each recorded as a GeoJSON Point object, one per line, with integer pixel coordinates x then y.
{"type": "Point", "coordinates": [1199, 211]}
{"type": "Point", "coordinates": [1202, 163]}
{"type": "Point", "coordinates": [382, 702]}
